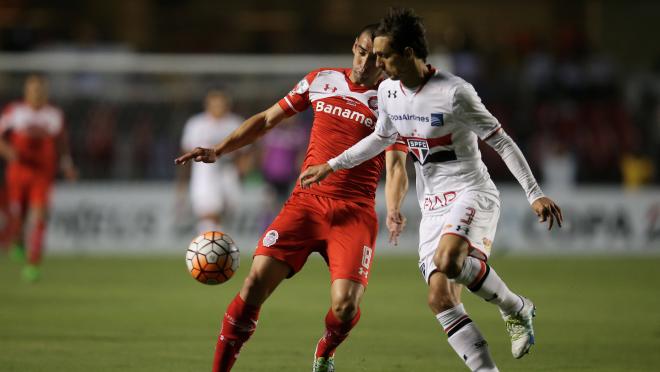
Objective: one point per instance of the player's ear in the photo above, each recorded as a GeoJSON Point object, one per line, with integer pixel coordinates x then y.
{"type": "Point", "coordinates": [408, 52]}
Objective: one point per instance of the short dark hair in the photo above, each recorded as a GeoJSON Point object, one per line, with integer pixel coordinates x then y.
{"type": "Point", "coordinates": [405, 29]}
{"type": "Point", "coordinates": [369, 29]}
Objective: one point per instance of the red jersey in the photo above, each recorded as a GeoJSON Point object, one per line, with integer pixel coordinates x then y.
{"type": "Point", "coordinates": [33, 134]}
{"type": "Point", "coordinates": [344, 113]}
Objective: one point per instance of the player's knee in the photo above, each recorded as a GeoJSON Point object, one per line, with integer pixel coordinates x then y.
{"type": "Point", "coordinates": [446, 260]}
{"type": "Point", "coordinates": [345, 308]}
{"type": "Point", "coordinates": [439, 302]}
{"type": "Point", "coordinates": [254, 289]}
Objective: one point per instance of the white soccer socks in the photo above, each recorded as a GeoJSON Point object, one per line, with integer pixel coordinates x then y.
{"type": "Point", "coordinates": [464, 337]}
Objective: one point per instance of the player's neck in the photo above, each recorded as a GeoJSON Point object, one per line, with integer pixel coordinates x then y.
{"type": "Point", "coordinates": [35, 105]}
{"type": "Point", "coordinates": [417, 75]}
{"type": "Point", "coordinates": [368, 83]}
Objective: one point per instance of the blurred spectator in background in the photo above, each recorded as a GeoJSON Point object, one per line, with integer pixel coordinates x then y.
{"type": "Point", "coordinates": [558, 167]}
{"type": "Point", "coordinates": [99, 141]}
{"type": "Point", "coordinates": [282, 151]}
{"type": "Point", "coordinates": [34, 142]}
{"type": "Point", "coordinates": [637, 170]}
{"type": "Point", "coordinates": [213, 187]}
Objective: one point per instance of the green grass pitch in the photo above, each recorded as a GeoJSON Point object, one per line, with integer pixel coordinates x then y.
{"type": "Point", "coordinates": [148, 314]}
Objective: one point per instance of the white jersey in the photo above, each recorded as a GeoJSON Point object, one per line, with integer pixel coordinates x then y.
{"type": "Point", "coordinates": [440, 123]}
{"type": "Point", "coordinates": [212, 185]}
{"type": "Point", "coordinates": [203, 130]}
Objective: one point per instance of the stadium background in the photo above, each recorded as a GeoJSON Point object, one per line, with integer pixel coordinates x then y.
{"type": "Point", "coordinates": [576, 83]}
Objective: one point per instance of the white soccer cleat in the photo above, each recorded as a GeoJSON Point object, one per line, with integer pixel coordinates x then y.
{"type": "Point", "coordinates": [520, 328]}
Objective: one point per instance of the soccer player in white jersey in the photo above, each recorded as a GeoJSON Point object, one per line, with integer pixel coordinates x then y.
{"type": "Point", "coordinates": [439, 117]}
{"type": "Point", "coordinates": [212, 186]}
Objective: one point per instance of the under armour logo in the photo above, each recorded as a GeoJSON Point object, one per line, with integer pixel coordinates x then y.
{"type": "Point", "coordinates": [465, 229]}
{"type": "Point", "coordinates": [391, 94]}
{"type": "Point", "coordinates": [327, 88]}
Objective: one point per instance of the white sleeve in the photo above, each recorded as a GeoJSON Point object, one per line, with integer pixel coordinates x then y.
{"type": "Point", "coordinates": [515, 161]}
{"type": "Point", "coordinates": [384, 135]}
{"type": "Point", "coordinates": [472, 112]}
{"type": "Point", "coordinates": [362, 151]}
{"type": "Point", "coordinates": [384, 126]}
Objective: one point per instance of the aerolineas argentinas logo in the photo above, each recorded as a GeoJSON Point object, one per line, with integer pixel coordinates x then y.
{"type": "Point", "coordinates": [419, 147]}
{"type": "Point", "coordinates": [344, 113]}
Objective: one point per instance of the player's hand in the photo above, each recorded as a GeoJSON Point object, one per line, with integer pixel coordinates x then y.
{"type": "Point", "coordinates": [395, 224]}
{"type": "Point", "coordinates": [314, 174]}
{"type": "Point", "coordinates": [547, 209]}
{"type": "Point", "coordinates": [199, 154]}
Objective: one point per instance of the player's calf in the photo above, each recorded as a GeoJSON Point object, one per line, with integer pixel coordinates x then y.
{"type": "Point", "coordinates": [238, 325]}
{"type": "Point", "coordinates": [466, 339]}
{"type": "Point", "coordinates": [336, 331]}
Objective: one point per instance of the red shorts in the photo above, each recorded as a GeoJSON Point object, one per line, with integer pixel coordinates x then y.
{"type": "Point", "coordinates": [343, 232]}
{"type": "Point", "coordinates": [28, 187]}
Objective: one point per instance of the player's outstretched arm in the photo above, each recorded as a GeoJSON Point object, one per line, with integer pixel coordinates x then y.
{"type": "Point", "coordinates": [251, 130]}
{"type": "Point", "coordinates": [362, 151]}
{"type": "Point", "coordinates": [396, 187]}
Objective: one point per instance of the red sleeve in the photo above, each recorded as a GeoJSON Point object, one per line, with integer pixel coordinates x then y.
{"type": "Point", "coordinates": [399, 145]}
{"type": "Point", "coordinates": [298, 98]}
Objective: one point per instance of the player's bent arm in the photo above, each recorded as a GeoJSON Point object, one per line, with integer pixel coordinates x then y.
{"type": "Point", "coordinates": [516, 162]}
{"type": "Point", "coordinates": [545, 208]}
{"type": "Point", "coordinates": [362, 151]}
{"type": "Point", "coordinates": [251, 130]}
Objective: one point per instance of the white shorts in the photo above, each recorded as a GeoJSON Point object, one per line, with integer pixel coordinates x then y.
{"type": "Point", "coordinates": [472, 215]}
{"type": "Point", "coordinates": [214, 195]}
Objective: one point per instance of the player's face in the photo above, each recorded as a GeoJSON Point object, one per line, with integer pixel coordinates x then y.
{"type": "Point", "coordinates": [388, 59]}
{"type": "Point", "coordinates": [364, 61]}
{"type": "Point", "coordinates": [217, 106]}
{"type": "Point", "coordinates": [35, 91]}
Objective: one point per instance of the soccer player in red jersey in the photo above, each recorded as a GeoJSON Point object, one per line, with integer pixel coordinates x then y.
{"type": "Point", "coordinates": [34, 143]}
{"type": "Point", "coordinates": [336, 219]}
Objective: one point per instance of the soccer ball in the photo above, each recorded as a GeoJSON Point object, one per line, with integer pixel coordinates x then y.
{"type": "Point", "coordinates": [212, 258]}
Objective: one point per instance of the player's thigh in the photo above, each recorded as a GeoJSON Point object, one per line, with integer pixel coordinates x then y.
{"type": "Point", "coordinates": [39, 198]}
{"type": "Point", "coordinates": [473, 218]}
{"type": "Point", "coordinates": [18, 190]}
{"type": "Point", "coordinates": [205, 199]}
{"type": "Point", "coordinates": [430, 232]}
{"type": "Point", "coordinates": [352, 242]}
{"type": "Point", "coordinates": [230, 188]}
{"type": "Point", "coordinates": [297, 231]}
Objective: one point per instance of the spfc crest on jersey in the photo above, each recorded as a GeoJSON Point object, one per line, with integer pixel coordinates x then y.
{"type": "Point", "coordinates": [418, 147]}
